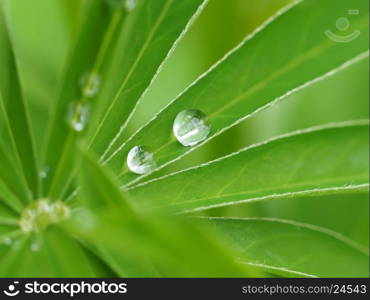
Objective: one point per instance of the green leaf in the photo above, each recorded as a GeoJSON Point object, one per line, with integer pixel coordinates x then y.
{"type": "Point", "coordinates": [277, 60]}
{"type": "Point", "coordinates": [315, 161]}
{"type": "Point", "coordinates": [283, 246]}
{"type": "Point", "coordinates": [12, 181]}
{"type": "Point", "coordinates": [147, 38]}
{"type": "Point", "coordinates": [48, 254]}
{"type": "Point", "coordinates": [351, 208]}
{"type": "Point", "coordinates": [94, 40]}
{"type": "Point", "coordinates": [145, 245]}
{"type": "Point", "coordinates": [15, 109]}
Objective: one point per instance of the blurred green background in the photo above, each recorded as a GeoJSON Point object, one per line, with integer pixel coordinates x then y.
{"type": "Point", "coordinates": [44, 30]}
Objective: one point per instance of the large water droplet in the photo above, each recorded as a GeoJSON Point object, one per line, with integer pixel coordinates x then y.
{"type": "Point", "coordinates": [129, 5]}
{"type": "Point", "coordinates": [90, 84]}
{"type": "Point", "coordinates": [140, 161]}
{"type": "Point", "coordinates": [191, 127]}
{"type": "Point", "coordinates": [78, 115]}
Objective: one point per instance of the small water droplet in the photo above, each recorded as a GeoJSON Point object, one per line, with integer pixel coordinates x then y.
{"type": "Point", "coordinates": [44, 172]}
{"type": "Point", "coordinates": [78, 114]}
{"type": "Point", "coordinates": [90, 84]}
{"type": "Point", "coordinates": [191, 127]}
{"type": "Point", "coordinates": [35, 246]}
{"type": "Point", "coordinates": [140, 161]}
{"type": "Point", "coordinates": [7, 241]}
{"type": "Point", "coordinates": [129, 5]}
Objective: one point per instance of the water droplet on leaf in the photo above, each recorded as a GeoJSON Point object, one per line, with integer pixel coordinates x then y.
{"type": "Point", "coordinates": [90, 84]}
{"type": "Point", "coordinates": [7, 241]}
{"type": "Point", "coordinates": [129, 5]}
{"type": "Point", "coordinates": [140, 161]}
{"type": "Point", "coordinates": [78, 115]}
{"type": "Point", "coordinates": [44, 172]}
{"type": "Point", "coordinates": [35, 246]}
{"type": "Point", "coordinates": [191, 127]}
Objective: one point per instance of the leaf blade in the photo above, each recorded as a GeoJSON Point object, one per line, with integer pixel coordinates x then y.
{"type": "Point", "coordinates": [327, 160]}
{"type": "Point", "coordinates": [285, 244]}
{"type": "Point", "coordinates": [15, 108]}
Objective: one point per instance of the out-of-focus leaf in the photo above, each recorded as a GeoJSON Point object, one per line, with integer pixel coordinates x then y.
{"type": "Point", "coordinates": [15, 108]}
{"type": "Point", "coordinates": [11, 181]}
{"type": "Point", "coordinates": [322, 161]}
{"type": "Point", "coordinates": [276, 61]}
{"type": "Point", "coordinates": [142, 245]}
{"type": "Point", "coordinates": [48, 254]}
{"type": "Point", "coordinates": [288, 246]}
{"type": "Point", "coordinates": [86, 59]}
{"type": "Point", "coordinates": [151, 29]}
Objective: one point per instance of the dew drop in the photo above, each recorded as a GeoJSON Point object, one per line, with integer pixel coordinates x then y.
{"type": "Point", "coordinates": [191, 127]}
{"type": "Point", "coordinates": [7, 241]}
{"type": "Point", "coordinates": [44, 172]}
{"type": "Point", "coordinates": [129, 5]}
{"type": "Point", "coordinates": [90, 84]}
{"type": "Point", "coordinates": [140, 161]}
{"type": "Point", "coordinates": [78, 114]}
{"type": "Point", "coordinates": [35, 246]}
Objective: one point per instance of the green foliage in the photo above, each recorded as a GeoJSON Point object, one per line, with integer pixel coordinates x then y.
{"type": "Point", "coordinates": [70, 206]}
{"type": "Point", "coordinates": [324, 160]}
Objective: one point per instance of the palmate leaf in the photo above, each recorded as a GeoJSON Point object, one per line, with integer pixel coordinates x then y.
{"type": "Point", "coordinates": [145, 245]}
{"type": "Point", "coordinates": [111, 233]}
{"type": "Point", "coordinates": [325, 160]}
{"type": "Point", "coordinates": [259, 72]}
{"type": "Point", "coordinates": [147, 38]}
{"type": "Point", "coordinates": [14, 117]}
{"type": "Point", "coordinates": [293, 249]}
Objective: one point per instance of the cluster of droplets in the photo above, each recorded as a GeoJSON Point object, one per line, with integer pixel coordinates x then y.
{"type": "Point", "coordinates": [41, 214]}
{"type": "Point", "coordinates": [190, 128]}
{"type": "Point", "coordinates": [129, 5]}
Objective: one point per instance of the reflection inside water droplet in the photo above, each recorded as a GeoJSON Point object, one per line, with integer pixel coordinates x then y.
{"type": "Point", "coordinates": [78, 114]}
{"type": "Point", "coordinates": [140, 161]}
{"type": "Point", "coordinates": [191, 127]}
